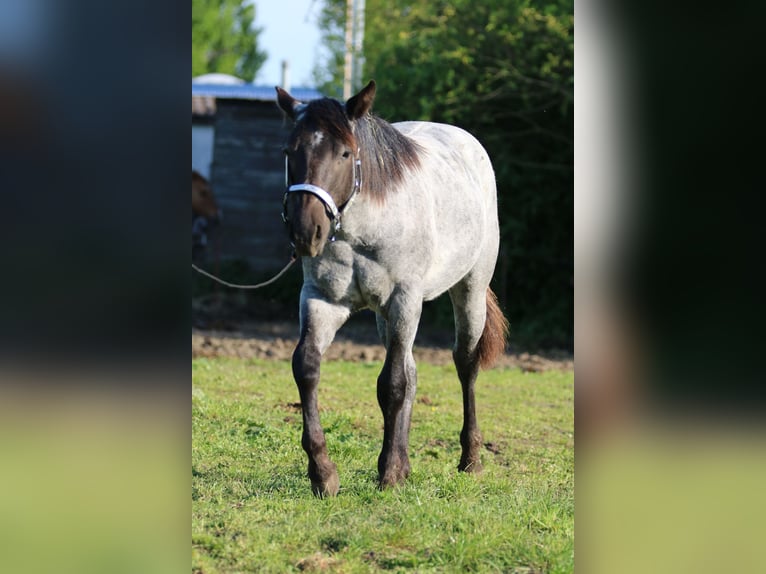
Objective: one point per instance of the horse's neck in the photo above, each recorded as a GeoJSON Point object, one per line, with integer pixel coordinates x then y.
{"type": "Point", "coordinates": [364, 222]}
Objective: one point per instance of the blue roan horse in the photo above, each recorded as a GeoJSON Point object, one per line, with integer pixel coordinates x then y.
{"type": "Point", "coordinates": [386, 216]}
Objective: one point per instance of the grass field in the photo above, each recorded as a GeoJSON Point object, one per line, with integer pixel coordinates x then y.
{"type": "Point", "coordinates": [252, 507]}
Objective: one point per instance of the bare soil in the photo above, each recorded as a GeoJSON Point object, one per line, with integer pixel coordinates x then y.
{"type": "Point", "coordinates": [356, 341]}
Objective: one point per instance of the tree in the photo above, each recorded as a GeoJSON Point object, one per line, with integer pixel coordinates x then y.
{"type": "Point", "coordinates": [503, 70]}
{"type": "Point", "coordinates": [224, 39]}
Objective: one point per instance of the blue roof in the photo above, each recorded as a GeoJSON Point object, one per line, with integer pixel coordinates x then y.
{"type": "Point", "coordinates": [251, 92]}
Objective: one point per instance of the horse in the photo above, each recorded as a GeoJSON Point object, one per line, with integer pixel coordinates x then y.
{"type": "Point", "coordinates": [203, 200]}
{"type": "Point", "coordinates": [205, 212]}
{"type": "Point", "coordinates": [384, 217]}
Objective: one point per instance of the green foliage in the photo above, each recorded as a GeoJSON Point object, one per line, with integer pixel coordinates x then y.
{"type": "Point", "coordinates": [253, 511]}
{"type": "Point", "coordinates": [503, 70]}
{"type": "Point", "coordinates": [224, 39]}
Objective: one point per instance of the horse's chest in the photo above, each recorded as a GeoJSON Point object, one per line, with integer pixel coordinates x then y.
{"type": "Point", "coordinates": [374, 283]}
{"type": "Point", "coordinates": [334, 278]}
{"type": "Point", "coordinates": [352, 280]}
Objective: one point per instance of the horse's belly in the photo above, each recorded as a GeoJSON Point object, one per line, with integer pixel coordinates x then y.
{"type": "Point", "coordinates": [443, 277]}
{"type": "Point", "coordinates": [461, 237]}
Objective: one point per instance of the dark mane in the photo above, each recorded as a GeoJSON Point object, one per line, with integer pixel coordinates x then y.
{"type": "Point", "coordinates": [387, 155]}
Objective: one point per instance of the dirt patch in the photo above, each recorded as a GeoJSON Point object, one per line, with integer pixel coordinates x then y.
{"type": "Point", "coordinates": [356, 341]}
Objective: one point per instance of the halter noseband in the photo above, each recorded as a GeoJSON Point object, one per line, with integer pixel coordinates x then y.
{"type": "Point", "coordinates": [333, 212]}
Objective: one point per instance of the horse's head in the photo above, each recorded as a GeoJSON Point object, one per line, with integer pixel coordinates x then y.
{"type": "Point", "coordinates": [203, 200]}
{"type": "Point", "coordinates": [322, 169]}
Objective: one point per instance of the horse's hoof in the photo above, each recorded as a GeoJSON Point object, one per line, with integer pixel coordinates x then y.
{"type": "Point", "coordinates": [385, 483]}
{"type": "Point", "coordinates": [395, 478]}
{"type": "Point", "coordinates": [326, 488]}
{"type": "Point", "coordinates": [473, 466]}
{"type": "Point", "coordinates": [324, 478]}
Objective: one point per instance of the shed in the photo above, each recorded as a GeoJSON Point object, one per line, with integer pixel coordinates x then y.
{"type": "Point", "coordinates": [237, 136]}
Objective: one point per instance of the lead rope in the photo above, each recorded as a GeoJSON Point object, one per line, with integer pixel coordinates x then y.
{"type": "Point", "coordinates": [293, 259]}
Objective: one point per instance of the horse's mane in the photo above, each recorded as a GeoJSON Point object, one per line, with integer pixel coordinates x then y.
{"type": "Point", "coordinates": [386, 154]}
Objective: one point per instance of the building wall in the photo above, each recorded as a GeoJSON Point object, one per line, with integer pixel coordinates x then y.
{"type": "Point", "coordinates": [248, 180]}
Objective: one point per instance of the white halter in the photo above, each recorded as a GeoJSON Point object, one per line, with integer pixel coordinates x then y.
{"type": "Point", "coordinates": [334, 213]}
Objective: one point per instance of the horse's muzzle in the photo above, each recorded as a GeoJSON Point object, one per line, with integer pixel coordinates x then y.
{"type": "Point", "coordinates": [308, 243]}
{"type": "Point", "coordinates": [307, 224]}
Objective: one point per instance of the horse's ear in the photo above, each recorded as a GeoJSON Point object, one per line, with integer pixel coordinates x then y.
{"type": "Point", "coordinates": [286, 102]}
{"type": "Point", "coordinates": [361, 103]}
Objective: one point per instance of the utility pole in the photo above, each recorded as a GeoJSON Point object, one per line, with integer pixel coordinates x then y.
{"type": "Point", "coordinates": [348, 58]}
{"type": "Point", "coordinates": [356, 76]}
{"type": "Point", "coordinates": [285, 75]}
{"type": "Point", "coordinates": [353, 59]}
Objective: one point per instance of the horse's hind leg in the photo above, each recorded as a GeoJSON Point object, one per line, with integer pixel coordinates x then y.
{"type": "Point", "coordinates": [396, 385]}
{"type": "Point", "coordinates": [319, 323]}
{"type": "Point", "coordinates": [470, 310]}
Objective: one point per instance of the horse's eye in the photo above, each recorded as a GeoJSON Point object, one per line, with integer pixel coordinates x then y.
{"type": "Point", "coordinates": [346, 153]}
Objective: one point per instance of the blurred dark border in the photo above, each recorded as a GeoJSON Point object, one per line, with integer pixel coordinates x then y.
{"type": "Point", "coordinates": [94, 134]}
{"type": "Point", "coordinates": [669, 299]}
{"type": "Point", "coordinates": [94, 285]}
{"type": "Point", "coordinates": [679, 259]}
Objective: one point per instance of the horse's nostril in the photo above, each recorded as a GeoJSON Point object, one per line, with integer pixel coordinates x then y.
{"type": "Point", "coordinates": [318, 234]}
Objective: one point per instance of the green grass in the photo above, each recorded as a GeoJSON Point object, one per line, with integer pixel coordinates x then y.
{"type": "Point", "coordinates": [253, 510]}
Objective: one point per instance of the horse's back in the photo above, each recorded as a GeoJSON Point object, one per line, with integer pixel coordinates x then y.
{"type": "Point", "coordinates": [456, 167]}
{"type": "Point", "coordinates": [455, 144]}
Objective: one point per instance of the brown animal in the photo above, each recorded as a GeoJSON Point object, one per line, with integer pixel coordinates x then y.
{"type": "Point", "coordinates": [203, 200]}
{"type": "Point", "coordinates": [205, 214]}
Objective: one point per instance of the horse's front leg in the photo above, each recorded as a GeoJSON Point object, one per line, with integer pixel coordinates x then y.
{"type": "Point", "coordinates": [320, 321]}
{"type": "Point", "coordinates": [396, 386]}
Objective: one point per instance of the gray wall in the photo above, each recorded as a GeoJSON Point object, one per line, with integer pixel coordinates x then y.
{"type": "Point", "coordinates": [248, 181]}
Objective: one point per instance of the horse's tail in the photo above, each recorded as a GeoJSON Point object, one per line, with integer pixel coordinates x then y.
{"type": "Point", "coordinates": [495, 334]}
